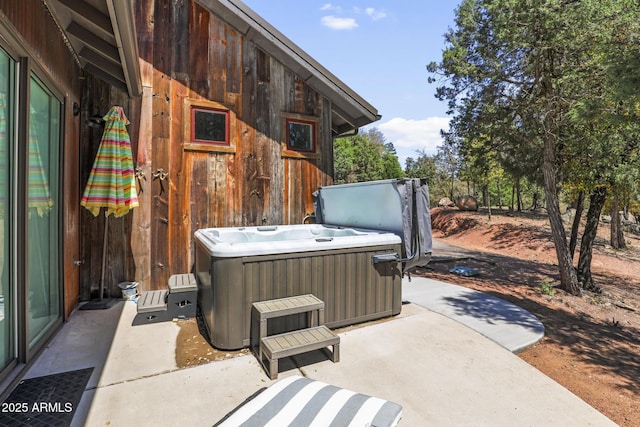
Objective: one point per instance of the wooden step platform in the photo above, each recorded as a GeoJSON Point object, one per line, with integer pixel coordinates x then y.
{"type": "Point", "coordinates": [316, 336]}
{"type": "Point", "coordinates": [296, 342]}
{"type": "Point", "coordinates": [286, 306]}
{"type": "Point", "coordinates": [182, 283]}
{"type": "Point", "coordinates": [177, 301]}
{"type": "Point", "coordinates": [152, 301]}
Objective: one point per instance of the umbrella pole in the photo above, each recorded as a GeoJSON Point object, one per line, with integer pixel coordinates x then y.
{"type": "Point", "coordinates": [101, 302]}
{"type": "Point", "coordinates": [104, 256]}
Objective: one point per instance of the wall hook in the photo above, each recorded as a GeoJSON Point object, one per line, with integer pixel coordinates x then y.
{"type": "Point", "coordinates": [140, 176]}
{"type": "Point", "coordinates": [161, 175]}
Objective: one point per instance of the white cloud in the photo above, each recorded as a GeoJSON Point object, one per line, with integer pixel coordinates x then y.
{"type": "Point", "coordinates": [375, 14]}
{"type": "Point", "coordinates": [336, 23]}
{"type": "Point", "coordinates": [340, 23]}
{"type": "Point", "coordinates": [410, 136]}
{"type": "Point", "coordinates": [329, 6]}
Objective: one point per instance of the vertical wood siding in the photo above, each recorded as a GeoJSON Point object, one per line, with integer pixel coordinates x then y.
{"type": "Point", "coordinates": [189, 52]}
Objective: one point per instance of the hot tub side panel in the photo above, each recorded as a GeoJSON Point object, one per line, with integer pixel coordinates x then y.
{"type": "Point", "coordinates": [354, 290]}
{"type": "Point", "coordinates": [219, 293]}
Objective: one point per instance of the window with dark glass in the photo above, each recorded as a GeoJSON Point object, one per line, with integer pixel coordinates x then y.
{"type": "Point", "coordinates": [209, 126]}
{"type": "Point", "coordinates": [301, 135]}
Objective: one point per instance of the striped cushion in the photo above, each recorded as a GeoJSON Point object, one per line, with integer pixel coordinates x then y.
{"type": "Point", "coordinates": [298, 401]}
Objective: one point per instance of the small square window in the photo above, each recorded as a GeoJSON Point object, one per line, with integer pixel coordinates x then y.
{"type": "Point", "coordinates": [300, 136]}
{"type": "Point", "coordinates": [209, 126]}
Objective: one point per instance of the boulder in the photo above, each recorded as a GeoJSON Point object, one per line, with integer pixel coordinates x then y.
{"type": "Point", "coordinates": [630, 217]}
{"type": "Point", "coordinates": [467, 203]}
{"type": "Point", "coordinates": [446, 202]}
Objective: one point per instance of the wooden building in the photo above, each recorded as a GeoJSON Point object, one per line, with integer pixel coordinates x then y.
{"type": "Point", "coordinates": [231, 124]}
{"type": "Point", "coordinates": [220, 58]}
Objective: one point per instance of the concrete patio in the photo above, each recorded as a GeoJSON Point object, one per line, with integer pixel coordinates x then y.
{"type": "Point", "coordinates": [440, 370]}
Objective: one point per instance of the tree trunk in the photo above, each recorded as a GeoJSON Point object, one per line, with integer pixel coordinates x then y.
{"type": "Point", "coordinates": [513, 197]}
{"type": "Point", "coordinates": [519, 195]}
{"type": "Point", "coordinates": [453, 181]}
{"type": "Point", "coordinates": [617, 234]}
{"type": "Point", "coordinates": [499, 194]}
{"type": "Point", "coordinates": [568, 276]}
{"type": "Point", "coordinates": [534, 204]}
{"type": "Point", "coordinates": [596, 202]}
{"type": "Point", "coordinates": [573, 241]}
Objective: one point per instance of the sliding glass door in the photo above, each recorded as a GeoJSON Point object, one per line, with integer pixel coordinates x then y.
{"type": "Point", "coordinates": [30, 210]}
{"type": "Point", "coordinates": [43, 210]}
{"type": "Point", "coordinates": [7, 294]}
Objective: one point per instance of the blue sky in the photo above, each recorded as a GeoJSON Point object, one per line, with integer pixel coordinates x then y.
{"type": "Point", "coordinates": [380, 49]}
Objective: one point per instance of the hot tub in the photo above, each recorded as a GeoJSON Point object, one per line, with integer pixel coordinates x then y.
{"type": "Point", "coordinates": [236, 266]}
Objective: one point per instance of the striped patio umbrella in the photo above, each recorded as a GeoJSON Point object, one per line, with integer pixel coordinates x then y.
{"type": "Point", "coordinates": [4, 142]}
{"type": "Point", "coordinates": [39, 196]}
{"type": "Point", "coordinates": [111, 183]}
{"type": "Point", "coordinates": [39, 200]}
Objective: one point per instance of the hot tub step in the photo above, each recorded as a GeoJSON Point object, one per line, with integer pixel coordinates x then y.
{"type": "Point", "coordinates": [152, 307]}
{"type": "Point", "coordinates": [183, 296]}
{"type": "Point", "coordinates": [262, 311]}
{"type": "Point", "coordinates": [182, 283]}
{"type": "Point", "coordinates": [177, 302]}
{"type": "Point", "coordinates": [291, 343]}
{"type": "Point", "coordinates": [152, 301]}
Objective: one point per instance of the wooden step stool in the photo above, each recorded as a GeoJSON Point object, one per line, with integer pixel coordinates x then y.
{"type": "Point", "coordinates": [315, 336]}
{"type": "Point", "coordinates": [178, 301]}
{"type": "Point", "coordinates": [183, 295]}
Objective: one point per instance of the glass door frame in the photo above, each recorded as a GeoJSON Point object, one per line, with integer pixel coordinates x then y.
{"type": "Point", "coordinates": [10, 264]}
{"type": "Point", "coordinates": [18, 197]}
{"type": "Point", "coordinates": [26, 69]}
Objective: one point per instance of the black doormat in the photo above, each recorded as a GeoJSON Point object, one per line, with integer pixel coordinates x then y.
{"type": "Point", "coordinates": [45, 401]}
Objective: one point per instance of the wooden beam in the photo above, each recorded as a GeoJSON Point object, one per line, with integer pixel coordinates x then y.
{"type": "Point", "coordinates": [101, 46]}
{"type": "Point", "coordinates": [107, 78]}
{"type": "Point", "coordinates": [100, 62]}
{"type": "Point", "coordinates": [90, 17]}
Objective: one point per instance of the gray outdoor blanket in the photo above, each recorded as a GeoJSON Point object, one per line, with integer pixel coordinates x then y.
{"type": "Point", "coordinates": [299, 401]}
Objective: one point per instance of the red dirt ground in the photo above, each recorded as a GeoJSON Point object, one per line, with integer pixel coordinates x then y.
{"type": "Point", "coordinates": [592, 342]}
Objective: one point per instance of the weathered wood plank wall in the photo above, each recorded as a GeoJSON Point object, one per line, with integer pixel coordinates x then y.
{"type": "Point", "coordinates": [188, 52]}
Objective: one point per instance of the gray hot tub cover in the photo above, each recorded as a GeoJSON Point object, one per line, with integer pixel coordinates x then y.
{"type": "Point", "coordinates": [400, 206]}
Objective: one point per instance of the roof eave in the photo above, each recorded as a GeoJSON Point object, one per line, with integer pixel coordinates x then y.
{"type": "Point", "coordinates": [350, 106]}
{"type": "Point", "coordinates": [121, 13]}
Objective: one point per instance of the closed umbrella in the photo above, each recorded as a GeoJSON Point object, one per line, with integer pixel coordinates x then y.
{"type": "Point", "coordinates": [4, 155]}
{"type": "Point", "coordinates": [111, 183]}
{"type": "Point", "coordinates": [39, 199]}
{"type": "Point", "coordinates": [39, 195]}
{"type": "Point", "coordinates": [4, 184]}
{"type": "Point", "coordinates": [39, 204]}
